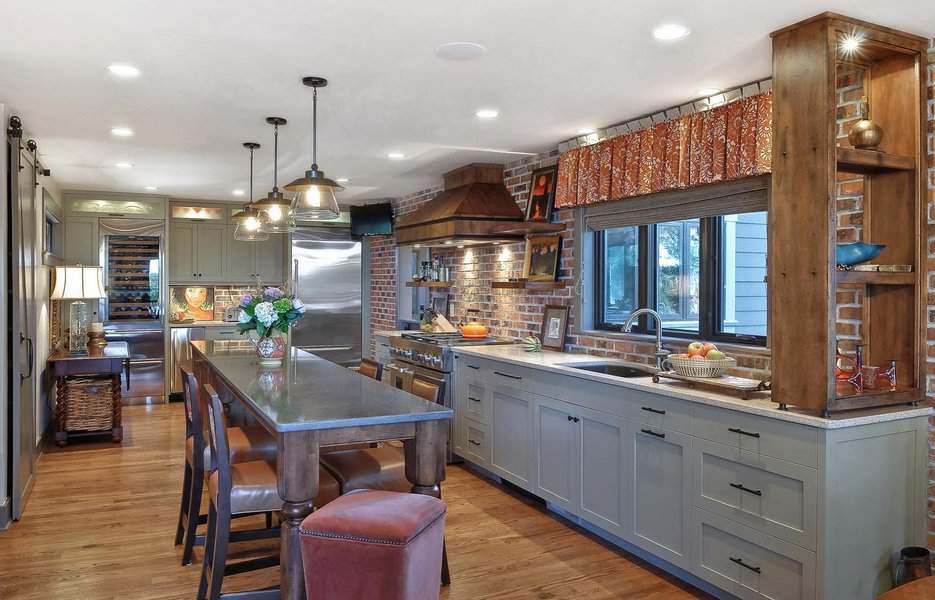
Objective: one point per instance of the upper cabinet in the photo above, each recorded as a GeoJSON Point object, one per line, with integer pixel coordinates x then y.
{"type": "Point", "coordinates": [81, 241]}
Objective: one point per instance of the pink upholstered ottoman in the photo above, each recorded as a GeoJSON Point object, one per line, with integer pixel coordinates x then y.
{"type": "Point", "coordinates": [372, 544]}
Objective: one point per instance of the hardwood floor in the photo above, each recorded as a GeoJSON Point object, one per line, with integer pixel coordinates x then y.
{"type": "Point", "coordinates": [101, 519]}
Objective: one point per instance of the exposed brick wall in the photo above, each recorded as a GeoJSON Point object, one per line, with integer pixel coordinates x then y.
{"type": "Point", "coordinates": [930, 375]}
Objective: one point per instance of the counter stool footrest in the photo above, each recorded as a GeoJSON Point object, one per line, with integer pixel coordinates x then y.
{"type": "Point", "coordinates": [251, 535]}
{"type": "Point", "coordinates": [264, 594]}
{"type": "Point", "coordinates": [251, 564]}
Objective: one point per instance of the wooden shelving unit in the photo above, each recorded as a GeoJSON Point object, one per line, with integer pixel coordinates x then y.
{"type": "Point", "coordinates": [807, 158]}
{"type": "Point", "coordinates": [529, 285]}
{"type": "Point", "coordinates": [428, 284]}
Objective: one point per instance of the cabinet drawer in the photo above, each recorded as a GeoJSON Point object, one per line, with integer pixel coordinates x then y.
{"type": "Point", "coordinates": [749, 564]}
{"type": "Point", "coordinates": [223, 333]}
{"type": "Point", "coordinates": [476, 447]}
{"type": "Point", "coordinates": [473, 400]}
{"type": "Point", "coordinates": [660, 412]}
{"type": "Point", "coordinates": [768, 494]}
{"type": "Point", "coordinates": [760, 435]}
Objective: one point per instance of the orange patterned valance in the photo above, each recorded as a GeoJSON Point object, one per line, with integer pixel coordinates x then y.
{"type": "Point", "coordinates": [723, 143]}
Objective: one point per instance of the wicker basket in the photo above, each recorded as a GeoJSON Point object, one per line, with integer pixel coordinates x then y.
{"type": "Point", "coordinates": [691, 367]}
{"type": "Point", "coordinates": [89, 404]}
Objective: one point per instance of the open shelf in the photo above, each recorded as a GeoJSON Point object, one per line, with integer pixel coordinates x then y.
{"type": "Point", "coordinates": [901, 395]}
{"type": "Point", "coordinates": [428, 284]}
{"type": "Point", "coordinates": [531, 228]}
{"type": "Point", "coordinates": [529, 285]}
{"type": "Point", "coordinates": [854, 160]}
{"type": "Point", "coordinates": [875, 277]}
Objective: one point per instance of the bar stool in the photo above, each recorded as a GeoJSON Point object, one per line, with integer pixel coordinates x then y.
{"type": "Point", "coordinates": [240, 489]}
{"type": "Point", "coordinates": [370, 368]}
{"type": "Point", "coordinates": [245, 445]}
{"type": "Point", "coordinates": [383, 468]}
{"type": "Point", "coordinates": [373, 544]}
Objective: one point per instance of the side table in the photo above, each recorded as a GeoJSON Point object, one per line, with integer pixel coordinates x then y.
{"type": "Point", "coordinates": [88, 391]}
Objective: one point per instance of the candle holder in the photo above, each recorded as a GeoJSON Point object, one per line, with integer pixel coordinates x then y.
{"type": "Point", "coordinates": [96, 341]}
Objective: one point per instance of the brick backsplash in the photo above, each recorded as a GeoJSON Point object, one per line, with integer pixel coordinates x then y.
{"type": "Point", "coordinates": [930, 350]}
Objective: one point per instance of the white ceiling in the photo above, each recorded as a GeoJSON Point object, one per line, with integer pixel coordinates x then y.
{"type": "Point", "coordinates": [212, 70]}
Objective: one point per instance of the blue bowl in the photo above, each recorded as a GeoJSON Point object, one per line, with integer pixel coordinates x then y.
{"type": "Point", "coordinates": [856, 253]}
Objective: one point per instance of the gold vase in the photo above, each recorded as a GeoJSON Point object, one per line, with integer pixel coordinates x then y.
{"type": "Point", "coordinates": [865, 134]}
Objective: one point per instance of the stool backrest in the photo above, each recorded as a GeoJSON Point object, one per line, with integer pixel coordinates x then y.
{"type": "Point", "coordinates": [371, 368]}
{"type": "Point", "coordinates": [194, 413]}
{"type": "Point", "coordinates": [429, 389]}
{"type": "Point", "coordinates": [217, 434]}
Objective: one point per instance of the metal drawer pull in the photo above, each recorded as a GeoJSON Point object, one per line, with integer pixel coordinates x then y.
{"type": "Point", "coordinates": [740, 562]}
{"type": "Point", "coordinates": [742, 488]}
{"type": "Point", "coordinates": [742, 432]}
{"type": "Point", "coordinates": [575, 419]}
{"type": "Point", "coordinates": [651, 432]}
{"type": "Point", "coordinates": [507, 375]}
{"type": "Point", "coordinates": [473, 442]}
{"type": "Point", "coordinates": [473, 399]}
{"type": "Point", "coordinates": [473, 367]}
{"type": "Point", "coordinates": [653, 410]}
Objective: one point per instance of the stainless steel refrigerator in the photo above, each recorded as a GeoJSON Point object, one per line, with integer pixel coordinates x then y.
{"type": "Point", "coordinates": [326, 276]}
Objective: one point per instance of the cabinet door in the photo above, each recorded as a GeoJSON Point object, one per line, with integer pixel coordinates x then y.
{"type": "Point", "coordinates": [660, 482]}
{"type": "Point", "coordinates": [81, 241]}
{"type": "Point", "coordinates": [270, 259]}
{"type": "Point", "coordinates": [556, 453]}
{"type": "Point", "coordinates": [209, 251]}
{"type": "Point", "coordinates": [239, 263]}
{"type": "Point", "coordinates": [182, 252]}
{"type": "Point", "coordinates": [603, 460]}
{"type": "Point", "coordinates": [511, 443]}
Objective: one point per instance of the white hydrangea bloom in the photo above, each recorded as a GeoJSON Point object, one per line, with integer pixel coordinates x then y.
{"type": "Point", "coordinates": [265, 313]}
{"type": "Point", "coordinates": [243, 317]}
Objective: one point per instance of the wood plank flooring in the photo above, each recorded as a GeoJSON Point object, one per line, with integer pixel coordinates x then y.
{"type": "Point", "coordinates": [101, 519]}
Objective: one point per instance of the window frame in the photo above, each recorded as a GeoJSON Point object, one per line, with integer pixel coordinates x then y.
{"type": "Point", "coordinates": [710, 287]}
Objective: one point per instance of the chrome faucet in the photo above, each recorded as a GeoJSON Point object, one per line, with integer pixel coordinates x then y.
{"type": "Point", "coordinates": [661, 352]}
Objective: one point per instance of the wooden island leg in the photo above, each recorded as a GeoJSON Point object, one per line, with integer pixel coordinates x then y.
{"type": "Point", "coordinates": [297, 470]}
{"type": "Point", "coordinates": [425, 468]}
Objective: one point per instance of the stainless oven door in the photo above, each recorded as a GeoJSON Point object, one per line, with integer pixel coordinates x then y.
{"type": "Point", "coordinates": [400, 373]}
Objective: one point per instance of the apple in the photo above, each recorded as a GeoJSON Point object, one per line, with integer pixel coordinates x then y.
{"type": "Point", "coordinates": [695, 348]}
{"type": "Point", "coordinates": [682, 355]}
{"type": "Point", "coordinates": [708, 347]}
{"type": "Point", "coordinates": [715, 355]}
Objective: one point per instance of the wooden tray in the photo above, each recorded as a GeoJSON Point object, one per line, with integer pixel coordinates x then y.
{"type": "Point", "coordinates": [725, 383]}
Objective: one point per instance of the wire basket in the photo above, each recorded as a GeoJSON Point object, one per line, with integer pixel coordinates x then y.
{"type": "Point", "coordinates": [690, 367]}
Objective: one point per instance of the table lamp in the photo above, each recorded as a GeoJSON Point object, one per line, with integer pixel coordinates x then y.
{"type": "Point", "coordinates": [78, 283]}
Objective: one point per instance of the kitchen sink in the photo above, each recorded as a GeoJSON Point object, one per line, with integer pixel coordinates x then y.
{"type": "Point", "coordinates": [614, 369]}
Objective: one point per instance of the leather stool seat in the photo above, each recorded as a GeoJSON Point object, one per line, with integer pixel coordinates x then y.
{"type": "Point", "coordinates": [396, 537]}
{"type": "Point", "coordinates": [254, 489]}
{"type": "Point", "coordinates": [368, 469]}
{"type": "Point", "coordinates": [246, 444]}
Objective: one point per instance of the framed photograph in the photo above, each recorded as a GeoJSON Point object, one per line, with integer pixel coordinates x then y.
{"type": "Point", "coordinates": [542, 257]}
{"type": "Point", "coordinates": [541, 194]}
{"type": "Point", "coordinates": [440, 305]}
{"type": "Point", "coordinates": [554, 327]}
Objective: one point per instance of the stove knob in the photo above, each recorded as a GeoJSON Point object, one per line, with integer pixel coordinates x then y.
{"type": "Point", "coordinates": [436, 361]}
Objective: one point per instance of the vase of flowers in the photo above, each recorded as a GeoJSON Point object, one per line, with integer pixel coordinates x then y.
{"type": "Point", "coordinates": [267, 316]}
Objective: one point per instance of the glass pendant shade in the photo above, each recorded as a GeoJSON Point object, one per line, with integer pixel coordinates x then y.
{"type": "Point", "coordinates": [250, 226]}
{"type": "Point", "coordinates": [315, 199]}
{"type": "Point", "coordinates": [275, 210]}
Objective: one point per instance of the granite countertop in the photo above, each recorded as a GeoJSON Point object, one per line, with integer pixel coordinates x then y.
{"type": "Point", "coordinates": [205, 324]}
{"type": "Point", "coordinates": [309, 392]}
{"type": "Point", "coordinates": [761, 404]}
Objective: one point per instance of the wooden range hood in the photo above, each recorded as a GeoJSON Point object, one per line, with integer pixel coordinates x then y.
{"type": "Point", "coordinates": [475, 208]}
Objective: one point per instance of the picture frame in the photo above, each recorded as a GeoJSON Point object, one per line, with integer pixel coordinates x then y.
{"type": "Point", "coordinates": [541, 194]}
{"type": "Point", "coordinates": [554, 327]}
{"type": "Point", "coordinates": [543, 256]}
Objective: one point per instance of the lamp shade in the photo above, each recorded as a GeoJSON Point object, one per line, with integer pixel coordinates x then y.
{"type": "Point", "coordinates": [78, 283]}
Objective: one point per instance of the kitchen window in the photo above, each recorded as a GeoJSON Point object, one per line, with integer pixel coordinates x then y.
{"type": "Point", "coordinates": [701, 264]}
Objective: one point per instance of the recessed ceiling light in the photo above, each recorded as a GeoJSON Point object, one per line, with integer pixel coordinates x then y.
{"type": "Point", "coordinates": [708, 91]}
{"type": "Point", "coordinates": [460, 51]}
{"type": "Point", "coordinates": [124, 71]}
{"type": "Point", "coordinates": [487, 113]}
{"type": "Point", "coordinates": [585, 131]}
{"type": "Point", "coordinates": [670, 32]}
{"type": "Point", "coordinates": [150, 188]}
{"type": "Point", "coordinates": [238, 192]}
{"type": "Point", "coordinates": [123, 165]}
{"type": "Point", "coordinates": [342, 179]}
{"type": "Point", "coordinates": [121, 131]}
{"type": "Point", "coordinates": [395, 155]}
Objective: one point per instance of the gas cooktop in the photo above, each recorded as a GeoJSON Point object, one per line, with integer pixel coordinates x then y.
{"type": "Point", "coordinates": [454, 339]}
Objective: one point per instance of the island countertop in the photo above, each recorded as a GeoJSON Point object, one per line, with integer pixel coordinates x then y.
{"type": "Point", "coordinates": [760, 404]}
{"type": "Point", "coordinates": [309, 392]}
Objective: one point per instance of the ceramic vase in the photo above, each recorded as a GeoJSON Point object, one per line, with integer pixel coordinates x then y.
{"type": "Point", "coordinates": [271, 350]}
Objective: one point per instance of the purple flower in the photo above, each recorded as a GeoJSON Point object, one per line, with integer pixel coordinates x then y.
{"type": "Point", "coordinates": [273, 293]}
{"type": "Point", "coordinates": [246, 299]}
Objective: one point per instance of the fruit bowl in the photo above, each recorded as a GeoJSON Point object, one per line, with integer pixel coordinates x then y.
{"type": "Point", "coordinates": [693, 367]}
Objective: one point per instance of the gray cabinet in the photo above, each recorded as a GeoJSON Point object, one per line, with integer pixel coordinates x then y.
{"type": "Point", "coordinates": [181, 252]}
{"type": "Point", "coordinates": [556, 453]}
{"type": "Point", "coordinates": [239, 263]}
{"type": "Point", "coordinates": [269, 259]}
{"type": "Point", "coordinates": [196, 252]}
{"type": "Point", "coordinates": [209, 251]}
{"type": "Point", "coordinates": [81, 241]}
{"type": "Point", "coordinates": [659, 479]}
{"type": "Point", "coordinates": [511, 425]}
{"type": "Point", "coordinates": [603, 492]}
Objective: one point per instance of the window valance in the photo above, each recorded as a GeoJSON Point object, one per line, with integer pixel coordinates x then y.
{"type": "Point", "coordinates": [724, 143]}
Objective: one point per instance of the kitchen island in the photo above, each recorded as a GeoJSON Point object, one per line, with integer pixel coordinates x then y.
{"type": "Point", "coordinates": [310, 402]}
{"type": "Point", "coordinates": [732, 495]}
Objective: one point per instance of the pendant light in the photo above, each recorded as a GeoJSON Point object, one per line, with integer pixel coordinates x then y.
{"type": "Point", "coordinates": [276, 208]}
{"type": "Point", "coordinates": [315, 199]}
{"type": "Point", "coordinates": [249, 220]}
